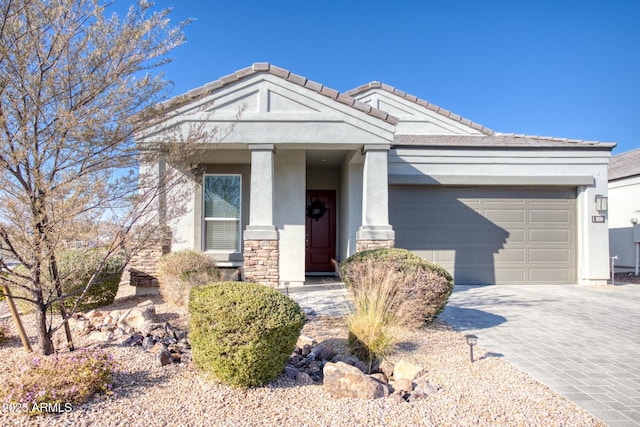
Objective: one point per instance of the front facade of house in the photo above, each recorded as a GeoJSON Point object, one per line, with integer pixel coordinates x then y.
{"type": "Point", "coordinates": [624, 207]}
{"type": "Point", "coordinates": [304, 175]}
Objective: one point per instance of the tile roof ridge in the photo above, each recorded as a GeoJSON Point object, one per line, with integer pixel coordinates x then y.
{"type": "Point", "coordinates": [266, 67]}
{"type": "Point", "coordinates": [426, 104]}
{"type": "Point", "coordinates": [554, 139]}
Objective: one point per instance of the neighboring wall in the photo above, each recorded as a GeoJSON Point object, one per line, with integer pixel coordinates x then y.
{"type": "Point", "coordinates": [624, 204]}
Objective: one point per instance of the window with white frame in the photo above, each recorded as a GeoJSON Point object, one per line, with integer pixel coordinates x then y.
{"type": "Point", "coordinates": [222, 213]}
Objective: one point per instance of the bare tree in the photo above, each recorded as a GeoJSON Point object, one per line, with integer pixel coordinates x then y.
{"type": "Point", "coordinates": [76, 83]}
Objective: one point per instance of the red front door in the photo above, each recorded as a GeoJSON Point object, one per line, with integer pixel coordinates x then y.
{"type": "Point", "coordinates": [320, 230]}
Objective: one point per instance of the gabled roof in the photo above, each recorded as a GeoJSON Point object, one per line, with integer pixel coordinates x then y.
{"type": "Point", "coordinates": [265, 67]}
{"type": "Point", "coordinates": [624, 165]}
{"type": "Point", "coordinates": [489, 138]}
{"type": "Point", "coordinates": [496, 140]}
{"type": "Point", "coordinates": [422, 103]}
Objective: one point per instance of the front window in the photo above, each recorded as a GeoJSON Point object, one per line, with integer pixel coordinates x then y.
{"type": "Point", "coordinates": [222, 213]}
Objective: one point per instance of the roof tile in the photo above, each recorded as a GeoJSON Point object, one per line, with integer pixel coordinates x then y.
{"type": "Point", "coordinates": [262, 67]}
{"type": "Point", "coordinates": [625, 165]}
{"type": "Point", "coordinates": [415, 99]}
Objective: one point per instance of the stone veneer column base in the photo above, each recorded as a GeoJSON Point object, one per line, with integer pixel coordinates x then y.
{"type": "Point", "coordinates": [363, 245]}
{"type": "Point", "coordinates": [261, 262]}
{"type": "Point", "coordinates": [143, 266]}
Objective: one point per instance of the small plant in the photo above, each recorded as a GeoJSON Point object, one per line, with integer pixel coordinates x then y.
{"type": "Point", "coordinates": [428, 285]}
{"type": "Point", "coordinates": [3, 335]}
{"type": "Point", "coordinates": [242, 333]}
{"type": "Point", "coordinates": [64, 380]}
{"type": "Point", "coordinates": [179, 272]}
{"type": "Point", "coordinates": [391, 290]}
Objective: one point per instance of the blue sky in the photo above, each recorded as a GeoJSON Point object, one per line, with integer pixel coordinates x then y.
{"type": "Point", "coordinates": [560, 68]}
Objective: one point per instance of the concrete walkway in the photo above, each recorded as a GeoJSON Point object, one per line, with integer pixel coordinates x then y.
{"type": "Point", "coordinates": [582, 342]}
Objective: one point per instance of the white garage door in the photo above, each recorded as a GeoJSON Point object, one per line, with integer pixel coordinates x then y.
{"type": "Point", "coordinates": [490, 235]}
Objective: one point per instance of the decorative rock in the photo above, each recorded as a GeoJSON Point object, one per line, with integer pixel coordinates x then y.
{"type": "Point", "coordinates": [147, 343]}
{"type": "Point", "coordinates": [138, 316]}
{"type": "Point", "coordinates": [304, 378]}
{"type": "Point", "coordinates": [304, 339]}
{"type": "Point", "coordinates": [380, 377]}
{"type": "Point", "coordinates": [93, 314]}
{"type": "Point", "coordinates": [398, 397]}
{"type": "Point", "coordinates": [164, 357]}
{"type": "Point", "coordinates": [426, 387]}
{"type": "Point", "coordinates": [402, 384]}
{"type": "Point", "coordinates": [100, 336]}
{"type": "Point", "coordinates": [406, 370]}
{"type": "Point", "coordinates": [386, 368]}
{"type": "Point", "coordinates": [324, 351]}
{"type": "Point", "coordinates": [306, 349]}
{"type": "Point", "coordinates": [118, 333]}
{"type": "Point", "coordinates": [133, 340]}
{"type": "Point", "coordinates": [290, 371]}
{"type": "Point", "coordinates": [417, 395]}
{"type": "Point", "coordinates": [343, 380]}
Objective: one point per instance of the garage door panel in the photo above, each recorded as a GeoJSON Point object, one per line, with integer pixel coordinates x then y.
{"type": "Point", "coordinates": [505, 216]}
{"type": "Point", "coordinates": [549, 236]}
{"type": "Point", "coordinates": [517, 255]}
{"type": "Point", "coordinates": [545, 216]}
{"type": "Point", "coordinates": [549, 255]}
{"type": "Point", "coordinates": [490, 235]}
{"type": "Point", "coordinates": [510, 275]}
{"type": "Point", "coordinates": [550, 275]}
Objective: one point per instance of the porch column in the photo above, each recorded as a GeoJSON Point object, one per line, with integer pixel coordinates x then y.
{"type": "Point", "coordinates": [375, 231]}
{"type": "Point", "coordinates": [261, 251]}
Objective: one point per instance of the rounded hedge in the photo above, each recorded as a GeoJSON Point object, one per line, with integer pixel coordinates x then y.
{"type": "Point", "coordinates": [242, 333]}
{"type": "Point", "coordinates": [431, 287]}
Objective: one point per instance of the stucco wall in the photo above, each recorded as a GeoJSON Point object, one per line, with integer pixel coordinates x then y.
{"type": "Point", "coordinates": [289, 213]}
{"type": "Point", "coordinates": [350, 211]}
{"type": "Point", "coordinates": [624, 204]}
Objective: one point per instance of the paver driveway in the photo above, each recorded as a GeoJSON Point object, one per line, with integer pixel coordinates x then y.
{"type": "Point", "coordinates": [583, 342]}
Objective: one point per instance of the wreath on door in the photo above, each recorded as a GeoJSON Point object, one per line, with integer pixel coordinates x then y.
{"type": "Point", "coordinates": [316, 209]}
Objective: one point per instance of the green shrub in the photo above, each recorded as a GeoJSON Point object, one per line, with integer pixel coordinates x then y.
{"type": "Point", "coordinates": [60, 379]}
{"type": "Point", "coordinates": [242, 333]}
{"type": "Point", "coordinates": [391, 290]}
{"type": "Point", "coordinates": [179, 272]}
{"type": "Point", "coordinates": [76, 266]}
{"type": "Point", "coordinates": [429, 287]}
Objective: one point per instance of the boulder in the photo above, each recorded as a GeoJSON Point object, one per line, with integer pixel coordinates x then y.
{"type": "Point", "coordinates": [138, 316]}
{"type": "Point", "coordinates": [406, 370]}
{"type": "Point", "coordinates": [343, 380]}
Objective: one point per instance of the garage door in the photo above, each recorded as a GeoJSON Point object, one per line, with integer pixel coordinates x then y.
{"type": "Point", "coordinates": [490, 235]}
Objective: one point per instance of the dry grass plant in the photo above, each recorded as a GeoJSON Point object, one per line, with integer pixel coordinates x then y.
{"type": "Point", "coordinates": [179, 272]}
{"type": "Point", "coordinates": [381, 309]}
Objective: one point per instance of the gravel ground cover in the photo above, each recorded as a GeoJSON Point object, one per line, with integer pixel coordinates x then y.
{"type": "Point", "coordinates": [488, 392]}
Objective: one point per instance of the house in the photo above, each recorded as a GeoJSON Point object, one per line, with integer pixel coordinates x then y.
{"type": "Point", "coordinates": [306, 174]}
{"type": "Point", "coordinates": [624, 209]}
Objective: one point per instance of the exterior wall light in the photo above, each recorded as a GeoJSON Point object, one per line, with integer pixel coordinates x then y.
{"type": "Point", "coordinates": [602, 203]}
{"type": "Point", "coordinates": [471, 340]}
